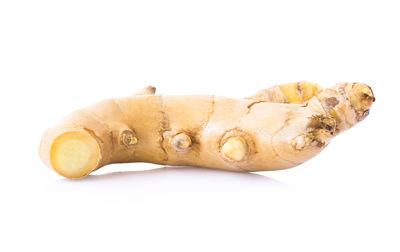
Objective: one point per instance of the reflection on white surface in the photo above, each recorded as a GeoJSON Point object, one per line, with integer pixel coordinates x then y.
{"type": "Point", "coordinates": [166, 183]}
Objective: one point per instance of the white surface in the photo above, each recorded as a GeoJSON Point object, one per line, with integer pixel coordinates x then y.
{"type": "Point", "coordinates": [57, 56]}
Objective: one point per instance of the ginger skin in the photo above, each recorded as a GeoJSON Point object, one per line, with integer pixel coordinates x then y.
{"type": "Point", "coordinates": [277, 128]}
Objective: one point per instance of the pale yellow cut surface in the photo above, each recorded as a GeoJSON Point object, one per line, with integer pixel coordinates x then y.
{"type": "Point", "coordinates": [234, 149]}
{"type": "Point", "coordinates": [74, 154]}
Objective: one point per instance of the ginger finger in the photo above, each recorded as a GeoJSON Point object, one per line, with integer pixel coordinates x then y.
{"type": "Point", "coordinates": [260, 133]}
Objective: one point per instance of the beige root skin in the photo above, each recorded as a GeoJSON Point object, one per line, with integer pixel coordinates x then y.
{"type": "Point", "coordinates": [278, 128]}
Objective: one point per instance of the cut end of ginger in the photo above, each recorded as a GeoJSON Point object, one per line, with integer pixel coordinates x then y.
{"type": "Point", "coordinates": [235, 149]}
{"type": "Point", "coordinates": [75, 154]}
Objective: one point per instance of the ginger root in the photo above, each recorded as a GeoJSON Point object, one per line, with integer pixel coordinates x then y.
{"type": "Point", "coordinates": [277, 128]}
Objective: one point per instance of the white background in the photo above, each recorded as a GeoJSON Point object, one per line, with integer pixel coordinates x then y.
{"type": "Point", "coordinates": [58, 56]}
